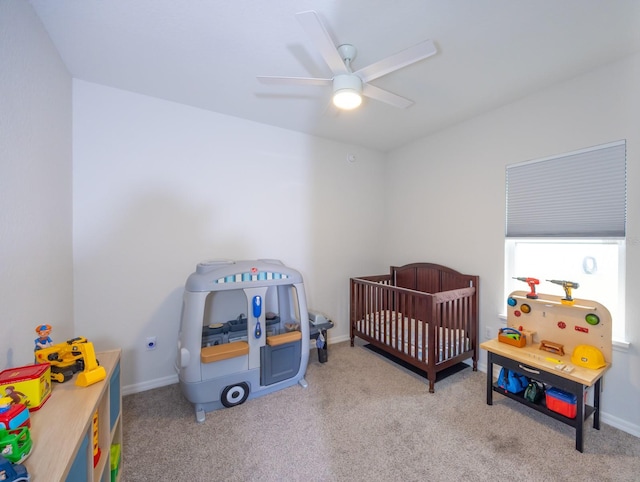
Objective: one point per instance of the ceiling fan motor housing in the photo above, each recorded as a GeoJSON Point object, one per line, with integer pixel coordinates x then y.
{"type": "Point", "coordinates": [347, 91]}
{"type": "Point", "coordinates": [347, 81]}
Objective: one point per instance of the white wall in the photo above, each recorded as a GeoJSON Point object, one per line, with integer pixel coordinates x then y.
{"type": "Point", "coordinates": [35, 186]}
{"type": "Point", "coordinates": [450, 187]}
{"type": "Point", "coordinates": [160, 186]}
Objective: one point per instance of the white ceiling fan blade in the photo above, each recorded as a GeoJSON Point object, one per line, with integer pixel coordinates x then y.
{"type": "Point", "coordinates": [397, 61]}
{"type": "Point", "coordinates": [322, 41]}
{"type": "Point", "coordinates": [385, 96]}
{"type": "Point", "coordinates": [293, 80]}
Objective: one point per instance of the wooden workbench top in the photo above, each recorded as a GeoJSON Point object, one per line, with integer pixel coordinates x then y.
{"type": "Point", "coordinates": [532, 356]}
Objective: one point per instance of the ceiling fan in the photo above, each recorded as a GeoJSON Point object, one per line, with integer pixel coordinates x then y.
{"type": "Point", "coordinates": [350, 86]}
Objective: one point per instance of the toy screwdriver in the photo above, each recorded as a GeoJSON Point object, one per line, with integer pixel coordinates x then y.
{"type": "Point", "coordinates": [532, 282]}
{"type": "Point", "coordinates": [568, 286]}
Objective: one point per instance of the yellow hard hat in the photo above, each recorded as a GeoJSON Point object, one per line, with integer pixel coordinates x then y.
{"type": "Point", "coordinates": [588, 356]}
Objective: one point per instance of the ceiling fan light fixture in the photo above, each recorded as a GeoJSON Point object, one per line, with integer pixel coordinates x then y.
{"type": "Point", "coordinates": [347, 91]}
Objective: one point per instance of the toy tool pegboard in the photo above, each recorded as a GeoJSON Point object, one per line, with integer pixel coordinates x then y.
{"type": "Point", "coordinates": [585, 322]}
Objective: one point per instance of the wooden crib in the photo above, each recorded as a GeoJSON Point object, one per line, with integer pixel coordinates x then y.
{"type": "Point", "coordinates": [422, 313]}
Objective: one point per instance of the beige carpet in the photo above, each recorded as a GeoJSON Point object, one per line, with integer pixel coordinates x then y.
{"type": "Point", "coordinates": [364, 418]}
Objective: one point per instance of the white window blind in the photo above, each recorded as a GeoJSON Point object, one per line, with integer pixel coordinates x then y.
{"type": "Point", "coordinates": [579, 194]}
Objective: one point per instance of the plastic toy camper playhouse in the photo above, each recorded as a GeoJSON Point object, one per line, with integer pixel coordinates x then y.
{"type": "Point", "coordinates": [243, 333]}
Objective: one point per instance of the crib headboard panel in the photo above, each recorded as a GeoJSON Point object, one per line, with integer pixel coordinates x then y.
{"type": "Point", "coordinates": [430, 278]}
{"type": "Point", "coordinates": [417, 276]}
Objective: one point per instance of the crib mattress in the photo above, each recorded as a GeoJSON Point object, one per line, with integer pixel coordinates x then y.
{"type": "Point", "coordinates": [382, 326]}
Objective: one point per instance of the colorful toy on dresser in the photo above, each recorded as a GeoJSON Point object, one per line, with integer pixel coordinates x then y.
{"type": "Point", "coordinates": [15, 440]}
{"type": "Point", "coordinates": [15, 444]}
{"type": "Point", "coordinates": [12, 472]}
{"type": "Point", "coordinates": [26, 388]}
{"type": "Point", "coordinates": [76, 355]}
{"type": "Point", "coordinates": [29, 385]}
{"type": "Point", "coordinates": [13, 415]}
{"type": "Point", "coordinates": [43, 340]}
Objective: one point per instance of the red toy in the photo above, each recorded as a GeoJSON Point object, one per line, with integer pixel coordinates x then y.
{"type": "Point", "coordinates": [13, 415]}
{"type": "Point", "coordinates": [532, 282]}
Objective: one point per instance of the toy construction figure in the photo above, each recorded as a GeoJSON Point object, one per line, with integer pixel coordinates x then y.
{"type": "Point", "coordinates": [43, 340]}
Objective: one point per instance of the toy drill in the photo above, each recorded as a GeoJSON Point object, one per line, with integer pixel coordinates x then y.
{"type": "Point", "coordinates": [532, 282]}
{"type": "Point", "coordinates": [568, 286]}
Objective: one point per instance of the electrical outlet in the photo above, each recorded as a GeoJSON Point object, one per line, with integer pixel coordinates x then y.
{"type": "Point", "coordinates": [489, 333]}
{"type": "Point", "coordinates": [152, 342]}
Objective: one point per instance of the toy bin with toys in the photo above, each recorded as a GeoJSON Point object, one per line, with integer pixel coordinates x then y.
{"type": "Point", "coordinates": [561, 402]}
{"type": "Point", "coordinates": [29, 385]}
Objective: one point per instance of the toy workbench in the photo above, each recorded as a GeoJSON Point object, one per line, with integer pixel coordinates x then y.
{"type": "Point", "coordinates": [552, 333]}
{"type": "Point", "coordinates": [550, 319]}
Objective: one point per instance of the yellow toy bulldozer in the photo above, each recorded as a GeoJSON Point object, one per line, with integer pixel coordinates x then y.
{"type": "Point", "coordinates": [75, 355]}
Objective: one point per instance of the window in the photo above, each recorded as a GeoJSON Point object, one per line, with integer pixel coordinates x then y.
{"type": "Point", "coordinates": [566, 220]}
{"type": "Point", "coordinates": [597, 265]}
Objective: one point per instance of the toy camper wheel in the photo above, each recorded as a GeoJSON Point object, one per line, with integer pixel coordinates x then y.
{"type": "Point", "coordinates": [234, 395]}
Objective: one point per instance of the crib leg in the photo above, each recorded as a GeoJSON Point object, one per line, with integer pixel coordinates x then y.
{"type": "Point", "coordinates": [352, 338]}
{"type": "Point", "coordinates": [431, 385]}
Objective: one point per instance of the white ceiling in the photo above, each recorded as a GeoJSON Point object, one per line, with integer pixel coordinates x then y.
{"type": "Point", "coordinates": [207, 53]}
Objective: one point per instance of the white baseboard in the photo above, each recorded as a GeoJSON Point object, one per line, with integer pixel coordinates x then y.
{"type": "Point", "coordinates": [150, 384]}
{"type": "Point", "coordinates": [620, 424]}
{"type": "Point", "coordinates": [338, 339]}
